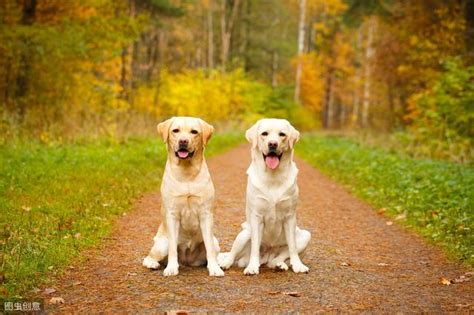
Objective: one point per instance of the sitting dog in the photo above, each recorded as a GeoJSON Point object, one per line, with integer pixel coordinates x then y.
{"type": "Point", "coordinates": [187, 193]}
{"type": "Point", "coordinates": [270, 235]}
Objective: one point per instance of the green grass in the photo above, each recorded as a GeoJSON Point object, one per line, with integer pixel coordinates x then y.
{"type": "Point", "coordinates": [434, 197]}
{"type": "Point", "coordinates": [56, 200]}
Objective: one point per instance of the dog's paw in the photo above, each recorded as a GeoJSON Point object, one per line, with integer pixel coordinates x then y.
{"type": "Point", "coordinates": [252, 269]}
{"type": "Point", "coordinates": [225, 260]}
{"type": "Point", "coordinates": [150, 263]}
{"type": "Point", "coordinates": [277, 264]}
{"type": "Point", "coordinates": [299, 268]}
{"type": "Point", "coordinates": [281, 265]}
{"type": "Point", "coordinates": [171, 270]}
{"type": "Point", "coordinates": [215, 270]}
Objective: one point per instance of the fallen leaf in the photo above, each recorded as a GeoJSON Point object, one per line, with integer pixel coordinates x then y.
{"type": "Point", "coordinates": [25, 208]}
{"type": "Point", "coordinates": [445, 281]}
{"type": "Point", "coordinates": [50, 267]}
{"type": "Point", "coordinates": [77, 235]}
{"type": "Point", "coordinates": [274, 292]}
{"type": "Point", "coordinates": [381, 210]}
{"type": "Point", "coordinates": [56, 300]}
{"type": "Point", "coordinates": [292, 293]}
{"type": "Point", "coordinates": [389, 223]}
{"type": "Point", "coordinates": [49, 290]}
{"type": "Point", "coordinates": [77, 283]}
{"type": "Point", "coordinates": [463, 278]}
{"type": "Point", "coordinates": [3, 292]}
{"type": "Point", "coordinates": [131, 273]}
{"type": "Point", "coordinates": [401, 216]}
{"type": "Point", "coordinates": [345, 264]}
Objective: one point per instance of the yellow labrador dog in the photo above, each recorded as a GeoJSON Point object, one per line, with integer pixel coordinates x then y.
{"type": "Point", "coordinates": [270, 235]}
{"type": "Point", "coordinates": [185, 234]}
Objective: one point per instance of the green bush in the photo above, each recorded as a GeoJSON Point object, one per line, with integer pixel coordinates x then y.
{"type": "Point", "coordinates": [443, 115]}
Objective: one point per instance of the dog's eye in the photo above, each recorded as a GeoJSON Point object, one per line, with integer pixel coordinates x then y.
{"type": "Point", "coordinates": [264, 133]}
{"type": "Point", "coordinates": [175, 130]}
{"type": "Point", "coordinates": [282, 134]}
{"type": "Point", "coordinates": [194, 132]}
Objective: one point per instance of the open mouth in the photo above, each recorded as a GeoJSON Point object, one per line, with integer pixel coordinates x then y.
{"type": "Point", "coordinates": [184, 154]}
{"type": "Point", "coordinates": [272, 160]}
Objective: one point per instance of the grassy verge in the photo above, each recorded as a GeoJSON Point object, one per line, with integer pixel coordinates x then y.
{"type": "Point", "coordinates": [434, 197]}
{"type": "Point", "coordinates": [56, 200]}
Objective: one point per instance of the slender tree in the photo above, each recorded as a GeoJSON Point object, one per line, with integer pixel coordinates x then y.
{"type": "Point", "coordinates": [301, 36]}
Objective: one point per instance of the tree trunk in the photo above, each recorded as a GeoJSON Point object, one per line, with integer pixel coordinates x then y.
{"type": "Point", "coordinates": [342, 115]}
{"type": "Point", "coordinates": [227, 26]}
{"type": "Point", "coordinates": [356, 99]}
{"type": "Point", "coordinates": [210, 36]}
{"type": "Point", "coordinates": [299, 67]}
{"type": "Point", "coordinates": [469, 15]}
{"type": "Point", "coordinates": [274, 68]}
{"type": "Point", "coordinates": [328, 99]}
{"type": "Point", "coordinates": [22, 79]}
{"type": "Point", "coordinates": [369, 54]}
{"type": "Point", "coordinates": [126, 77]}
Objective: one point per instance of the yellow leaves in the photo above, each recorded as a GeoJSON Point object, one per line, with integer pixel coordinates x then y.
{"type": "Point", "coordinates": [413, 40]}
{"type": "Point", "coordinates": [328, 7]}
{"type": "Point", "coordinates": [312, 84]}
{"type": "Point", "coordinates": [214, 96]}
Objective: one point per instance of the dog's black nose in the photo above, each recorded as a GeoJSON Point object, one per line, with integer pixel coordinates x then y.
{"type": "Point", "coordinates": [183, 142]}
{"type": "Point", "coordinates": [272, 145]}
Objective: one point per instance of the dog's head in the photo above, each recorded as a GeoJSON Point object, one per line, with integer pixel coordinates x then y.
{"type": "Point", "coordinates": [273, 138]}
{"type": "Point", "coordinates": [185, 136]}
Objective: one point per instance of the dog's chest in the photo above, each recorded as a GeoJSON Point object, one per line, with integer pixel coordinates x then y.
{"type": "Point", "coordinates": [189, 219]}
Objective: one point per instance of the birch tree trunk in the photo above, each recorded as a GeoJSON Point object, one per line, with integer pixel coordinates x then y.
{"type": "Point", "coordinates": [299, 67]}
{"type": "Point", "coordinates": [369, 54]}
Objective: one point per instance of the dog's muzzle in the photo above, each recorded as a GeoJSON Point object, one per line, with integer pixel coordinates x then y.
{"type": "Point", "coordinates": [272, 158]}
{"type": "Point", "coordinates": [183, 153]}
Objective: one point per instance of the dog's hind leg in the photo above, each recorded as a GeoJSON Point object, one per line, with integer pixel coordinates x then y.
{"type": "Point", "coordinates": [302, 239]}
{"type": "Point", "coordinates": [158, 252]}
{"type": "Point", "coordinates": [226, 260]}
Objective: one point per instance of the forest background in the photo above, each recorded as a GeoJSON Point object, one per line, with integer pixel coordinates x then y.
{"type": "Point", "coordinates": [397, 68]}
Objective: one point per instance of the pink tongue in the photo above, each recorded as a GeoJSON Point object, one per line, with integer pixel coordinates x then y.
{"type": "Point", "coordinates": [183, 154]}
{"type": "Point", "coordinates": [272, 162]}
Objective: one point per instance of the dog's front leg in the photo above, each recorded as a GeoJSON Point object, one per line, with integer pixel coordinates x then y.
{"type": "Point", "coordinates": [256, 227]}
{"type": "Point", "coordinates": [206, 223]}
{"type": "Point", "coordinates": [226, 260]}
{"type": "Point", "coordinates": [173, 232]}
{"type": "Point", "coordinates": [290, 233]}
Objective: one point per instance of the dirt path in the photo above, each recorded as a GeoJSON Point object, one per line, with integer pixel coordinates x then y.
{"type": "Point", "coordinates": [357, 261]}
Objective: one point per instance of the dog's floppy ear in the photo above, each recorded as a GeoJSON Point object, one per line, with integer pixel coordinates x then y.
{"type": "Point", "coordinates": [207, 131]}
{"type": "Point", "coordinates": [294, 136]}
{"type": "Point", "coordinates": [164, 128]}
{"type": "Point", "coordinates": [251, 135]}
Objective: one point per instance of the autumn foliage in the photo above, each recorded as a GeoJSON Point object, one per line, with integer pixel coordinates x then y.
{"type": "Point", "coordinates": [114, 68]}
